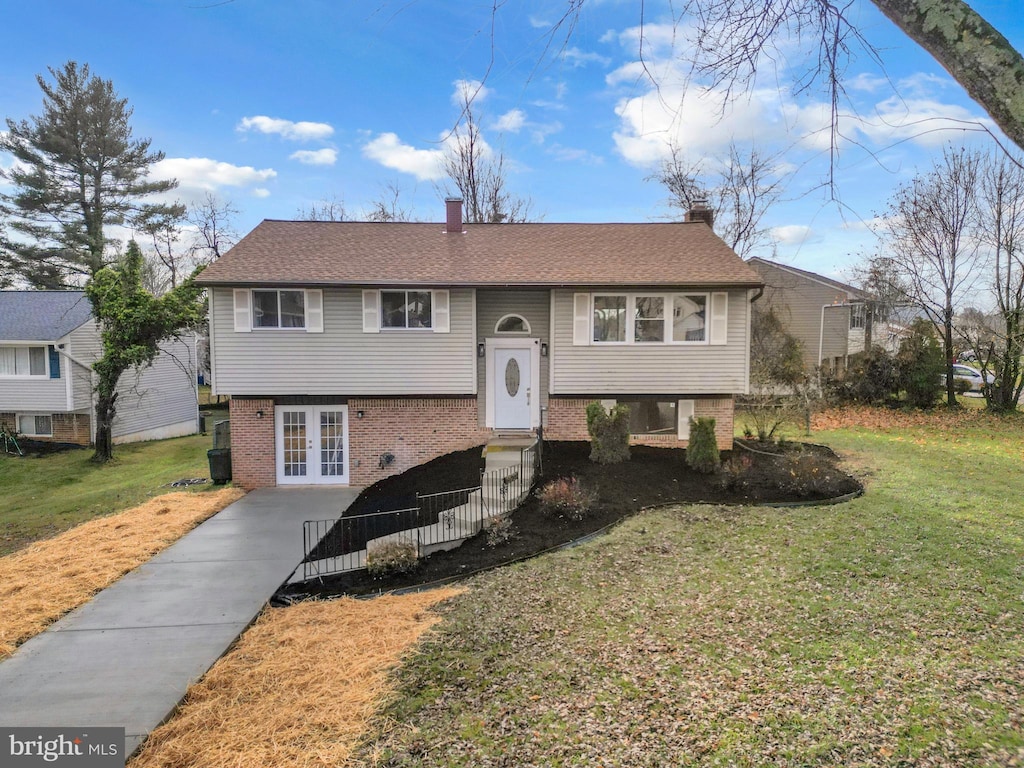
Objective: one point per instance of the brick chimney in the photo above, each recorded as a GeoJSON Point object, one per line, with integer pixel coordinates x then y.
{"type": "Point", "coordinates": [701, 211]}
{"type": "Point", "coordinates": [453, 214]}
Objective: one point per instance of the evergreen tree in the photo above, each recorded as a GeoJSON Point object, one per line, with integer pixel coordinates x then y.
{"type": "Point", "coordinates": [78, 171]}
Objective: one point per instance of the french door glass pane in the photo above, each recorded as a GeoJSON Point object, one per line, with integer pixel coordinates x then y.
{"type": "Point", "coordinates": [332, 455]}
{"type": "Point", "coordinates": [294, 443]}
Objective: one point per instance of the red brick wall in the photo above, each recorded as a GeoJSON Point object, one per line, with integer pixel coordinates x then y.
{"type": "Point", "coordinates": [72, 428]}
{"type": "Point", "coordinates": [413, 430]}
{"type": "Point", "coordinates": [252, 443]}
{"type": "Point", "coordinates": [567, 420]}
{"type": "Point", "coordinates": [67, 427]}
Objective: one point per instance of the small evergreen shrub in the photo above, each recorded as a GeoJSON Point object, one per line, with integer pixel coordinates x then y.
{"type": "Point", "coordinates": [921, 366]}
{"type": "Point", "coordinates": [500, 531]}
{"type": "Point", "coordinates": [566, 497]}
{"type": "Point", "coordinates": [391, 558]}
{"type": "Point", "coordinates": [609, 433]}
{"type": "Point", "coordinates": [702, 451]}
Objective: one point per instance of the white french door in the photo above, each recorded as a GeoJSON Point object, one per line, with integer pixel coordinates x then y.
{"type": "Point", "coordinates": [312, 444]}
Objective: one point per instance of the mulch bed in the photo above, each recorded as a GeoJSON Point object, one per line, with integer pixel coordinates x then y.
{"type": "Point", "coordinates": [652, 476]}
{"type": "Point", "coordinates": [37, 448]}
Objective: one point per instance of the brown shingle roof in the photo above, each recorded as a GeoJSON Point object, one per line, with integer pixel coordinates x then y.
{"type": "Point", "coordinates": [357, 253]}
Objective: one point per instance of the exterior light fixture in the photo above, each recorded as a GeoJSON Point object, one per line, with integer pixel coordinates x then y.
{"type": "Point", "coordinates": [481, 350]}
{"type": "Point", "coordinates": [543, 349]}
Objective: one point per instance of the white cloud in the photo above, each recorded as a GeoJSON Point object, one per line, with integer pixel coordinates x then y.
{"type": "Point", "coordinates": [577, 58]}
{"type": "Point", "coordinates": [261, 192]}
{"type": "Point", "coordinates": [301, 131]}
{"type": "Point", "coordinates": [791, 234]}
{"type": "Point", "coordinates": [388, 150]}
{"type": "Point", "coordinates": [202, 173]}
{"type": "Point", "coordinates": [315, 157]}
{"type": "Point", "coordinates": [512, 121]}
{"type": "Point", "coordinates": [538, 22]}
{"type": "Point", "coordinates": [926, 122]}
{"type": "Point", "coordinates": [471, 90]}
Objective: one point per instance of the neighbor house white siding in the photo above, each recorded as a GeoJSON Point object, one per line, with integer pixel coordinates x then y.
{"type": "Point", "coordinates": [343, 359]}
{"type": "Point", "coordinates": [34, 394]}
{"type": "Point", "coordinates": [160, 400]}
{"type": "Point", "coordinates": [648, 369]}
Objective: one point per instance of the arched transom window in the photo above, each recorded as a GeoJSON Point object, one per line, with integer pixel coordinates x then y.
{"type": "Point", "coordinates": [512, 324]}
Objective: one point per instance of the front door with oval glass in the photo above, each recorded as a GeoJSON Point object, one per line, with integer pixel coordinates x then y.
{"type": "Point", "coordinates": [312, 444]}
{"type": "Point", "coordinates": [511, 388]}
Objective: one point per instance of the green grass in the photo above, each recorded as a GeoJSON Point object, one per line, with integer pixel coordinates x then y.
{"type": "Point", "coordinates": [42, 496]}
{"type": "Point", "coordinates": [886, 631]}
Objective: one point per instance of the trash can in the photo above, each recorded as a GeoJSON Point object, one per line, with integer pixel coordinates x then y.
{"type": "Point", "coordinates": [220, 464]}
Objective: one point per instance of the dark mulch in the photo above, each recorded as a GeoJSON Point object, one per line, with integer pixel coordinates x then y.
{"type": "Point", "coordinates": [652, 476]}
{"type": "Point", "coordinates": [36, 448]}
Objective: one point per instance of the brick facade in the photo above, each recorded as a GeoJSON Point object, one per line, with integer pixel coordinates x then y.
{"type": "Point", "coordinates": [67, 427]}
{"type": "Point", "coordinates": [567, 420]}
{"type": "Point", "coordinates": [414, 431]}
{"type": "Point", "coordinates": [252, 443]}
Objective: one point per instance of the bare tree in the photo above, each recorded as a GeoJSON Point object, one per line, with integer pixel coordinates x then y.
{"type": "Point", "coordinates": [329, 209]}
{"type": "Point", "coordinates": [997, 339]}
{"type": "Point", "coordinates": [165, 253]}
{"type": "Point", "coordinates": [739, 190]}
{"type": "Point", "coordinates": [387, 207]}
{"type": "Point", "coordinates": [213, 220]}
{"type": "Point", "coordinates": [928, 233]}
{"type": "Point", "coordinates": [479, 175]}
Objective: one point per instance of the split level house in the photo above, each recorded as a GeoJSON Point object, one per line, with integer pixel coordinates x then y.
{"type": "Point", "coordinates": [352, 351]}
{"type": "Point", "coordinates": [48, 343]}
{"type": "Point", "coordinates": [831, 319]}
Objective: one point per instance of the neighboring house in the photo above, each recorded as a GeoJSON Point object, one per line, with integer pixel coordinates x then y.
{"type": "Point", "coordinates": [831, 319]}
{"type": "Point", "coordinates": [48, 342]}
{"type": "Point", "coordinates": [352, 351]}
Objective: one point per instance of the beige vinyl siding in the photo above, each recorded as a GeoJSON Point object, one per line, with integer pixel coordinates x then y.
{"type": "Point", "coordinates": [35, 394]}
{"type": "Point", "coordinates": [798, 301]}
{"type": "Point", "coordinates": [343, 360]}
{"type": "Point", "coordinates": [83, 344]}
{"type": "Point", "coordinates": [491, 306]}
{"type": "Point", "coordinates": [650, 368]}
{"type": "Point", "coordinates": [160, 396]}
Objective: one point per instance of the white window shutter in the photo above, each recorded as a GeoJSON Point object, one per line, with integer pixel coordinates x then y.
{"type": "Point", "coordinates": [314, 310]}
{"type": "Point", "coordinates": [581, 319]}
{"type": "Point", "coordinates": [371, 312]}
{"type": "Point", "coordinates": [719, 325]}
{"type": "Point", "coordinates": [684, 411]}
{"type": "Point", "coordinates": [441, 320]}
{"type": "Point", "coordinates": [243, 310]}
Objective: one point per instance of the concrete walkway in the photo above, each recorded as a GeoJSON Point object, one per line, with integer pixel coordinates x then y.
{"type": "Point", "coordinates": [127, 657]}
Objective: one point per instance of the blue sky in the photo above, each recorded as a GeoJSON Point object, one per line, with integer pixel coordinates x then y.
{"type": "Point", "coordinates": [277, 105]}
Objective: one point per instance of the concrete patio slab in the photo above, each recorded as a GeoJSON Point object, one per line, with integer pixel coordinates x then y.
{"type": "Point", "coordinates": [127, 657]}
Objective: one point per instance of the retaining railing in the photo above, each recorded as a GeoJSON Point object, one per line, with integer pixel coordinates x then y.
{"type": "Point", "coordinates": [340, 545]}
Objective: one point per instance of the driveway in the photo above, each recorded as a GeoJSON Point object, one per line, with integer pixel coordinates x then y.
{"type": "Point", "coordinates": [127, 657]}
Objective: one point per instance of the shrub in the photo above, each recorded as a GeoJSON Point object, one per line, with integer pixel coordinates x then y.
{"type": "Point", "coordinates": [734, 471]}
{"type": "Point", "coordinates": [390, 558]}
{"type": "Point", "coordinates": [702, 451]}
{"type": "Point", "coordinates": [805, 474]}
{"type": "Point", "coordinates": [921, 365]}
{"type": "Point", "coordinates": [609, 433]}
{"type": "Point", "coordinates": [500, 530]}
{"type": "Point", "coordinates": [566, 497]}
{"type": "Point", "coordinates": [871, 378]}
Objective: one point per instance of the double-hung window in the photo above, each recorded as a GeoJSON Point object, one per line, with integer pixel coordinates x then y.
{"type": "Point", "coordinates": [23, 361]}
{"type": "Point", "coordinates": [406, 309]}
{"type": "Point", "coordinates": [35, 425]}
{"type": "Point", "coordinates": [278, 309]}
{"type": "Point", "coordinates": [858, 316]}
{"type": "Point", "coordinates": [642, 318]}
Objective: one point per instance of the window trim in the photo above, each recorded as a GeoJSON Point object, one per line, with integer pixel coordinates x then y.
{"type": "Point", "coordinates": [858, 316]}
{"type": "Point", "coordinates": [404, 328]}
{"type": "Point", "coordinates": [29, 376]}
{"type": "Point", "coordinates": [34, 414]}
{"type": "Point", "coordinates": [252, 310]}
{"type": "Point", "coordinates": [503, 318]}
{"type": "Point", "coordinates": [668, 308]}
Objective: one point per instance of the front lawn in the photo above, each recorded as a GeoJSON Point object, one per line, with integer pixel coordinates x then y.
{"type": "Point", "coordinates": [45, 495]}
{"type": "Point", "coordinates": [885, 631]}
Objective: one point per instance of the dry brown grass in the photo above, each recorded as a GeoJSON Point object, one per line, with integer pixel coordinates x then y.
{"type": "Point", "coordinates": [297, 690]}
{"type": "Point", "coordinates": [45, 580]}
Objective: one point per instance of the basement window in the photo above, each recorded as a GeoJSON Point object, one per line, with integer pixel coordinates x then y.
{"type": "Point", "coordinates": [649, 416]}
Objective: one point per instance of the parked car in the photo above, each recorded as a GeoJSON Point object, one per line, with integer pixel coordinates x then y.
{"type": "Point", "coordinates": [975, 381]}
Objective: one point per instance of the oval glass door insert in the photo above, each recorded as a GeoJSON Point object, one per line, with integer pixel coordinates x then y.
{"type": "Point", "coordinates": [512, 377]}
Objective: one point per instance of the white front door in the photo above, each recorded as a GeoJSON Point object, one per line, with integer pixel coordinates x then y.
{"type": "Point", "coordinates": [512, 386]}
{"type": "Point", "coordinates": [312, 444]}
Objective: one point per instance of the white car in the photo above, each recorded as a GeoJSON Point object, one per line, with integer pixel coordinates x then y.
{"type": "Point", "coordinates": [975, 381]}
